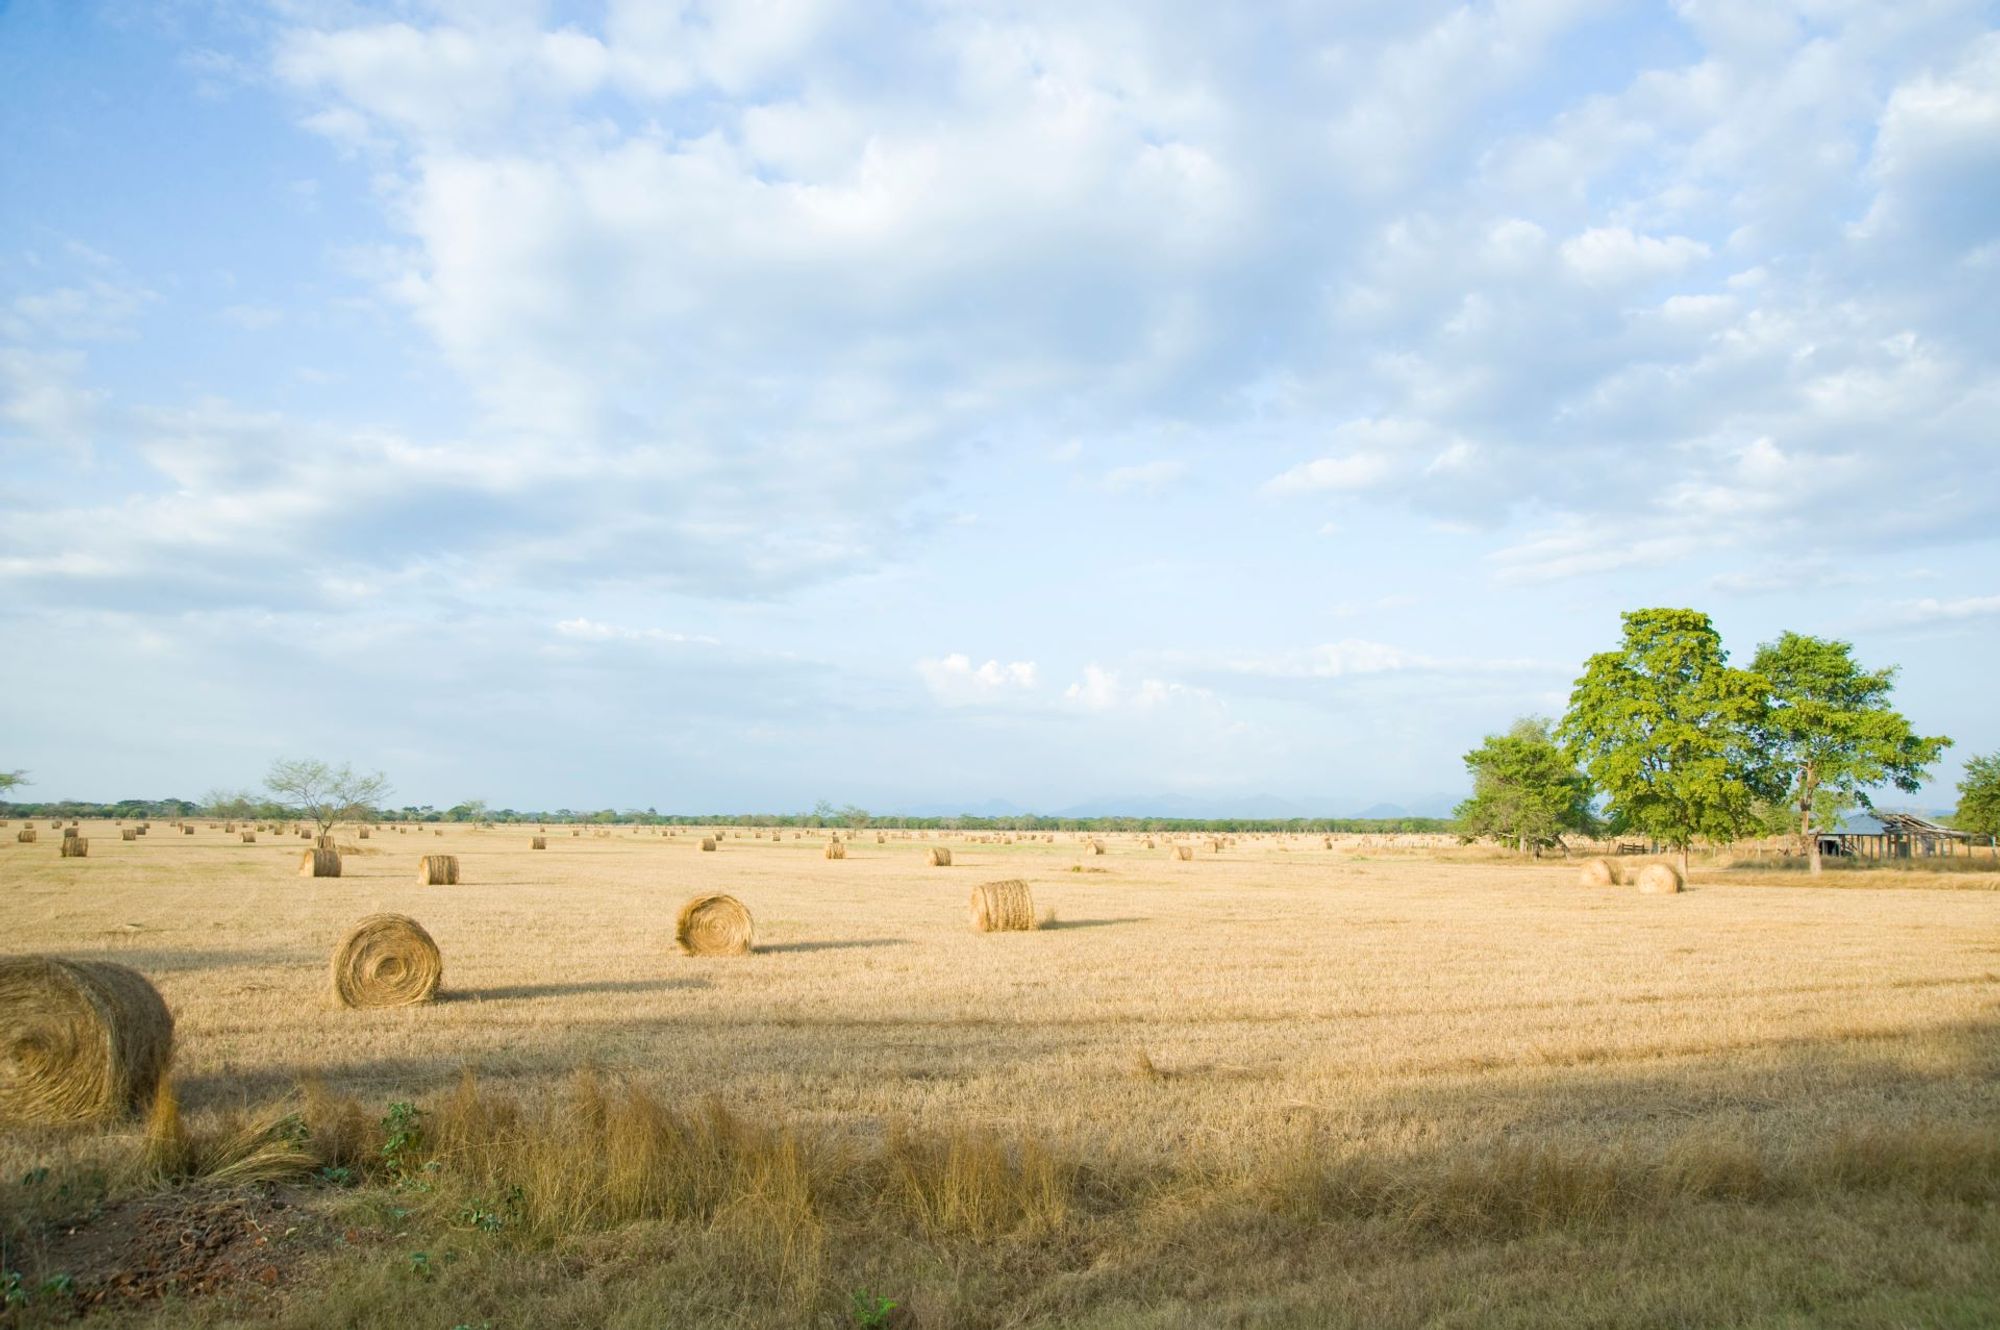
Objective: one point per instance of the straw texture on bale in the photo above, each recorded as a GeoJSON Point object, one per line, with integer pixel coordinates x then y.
{"type": "Point", "coordinates": [1598, 873]}
{"type": "Point", "coordinates": [938, 857]}
{"type": "Point", "coordinates": [1002, 907]}
{"type": "Point", "coordinates": [1659, 880]}
{"type": "Point", "coordinates": [708, 842]}
{"type": "Point", "coordinates": [324, 843]}
{"type": "Point", "coordinates": [128, 834]}
{"type": "Point", "coordinates": [1097, 847]}
{"type": "Point", "coordinates": [539, 843]}
{"type": "Point", "coordinates": [319, 863]}
{"type": "Point", "coordinates": [26, 835]}
{"type": "Point", "coordinates": [187, 831]}
{"type": "Point", "coordinates": [715, 925]}
{"type": "Point", "coordinates": [249, 837]}
{"type": "Point", "coordinates": [70, 833]}
{"type": "Point", "coordinates": [1183, 851]}
{"type": "Point", "coordinates": [438, 870]}
{"type": "Point", "coordinates": [836, 850]}
{"type": "Point", "coordinates": [386, 960]}
{"type": "Point", "coordinates": [75, 847]}
{"type": "Point", "coordinates": [84, 1039]}
{"type": "Point", "coordinates": [362, 834]}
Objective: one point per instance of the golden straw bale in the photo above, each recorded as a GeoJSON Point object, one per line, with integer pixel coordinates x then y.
{"type": "Point", "coordinates": [1183, 852]}
{"type": "Point", "coordinates": [75, 847]}
{"type": "Point", "coordinates": [438, 870]}
{"type": "Point", "coordinates": [1598, 873]}
{"type": "Point", "coordinates": [249, 837]}
{"type": "Point", "coordinates": [128, 834]}
{"type": "Point", "coordinates": [938, 857]}
{"type": "Point", "coordinates": [708, 842]}
{"type": "Point", "coordinates": [1658, 880]}
{"type": "Point", "coordinates": [26, 835]}
{"type": "Point", "coordinates": [539, 843]}
{"type": "Point", "coordinates": [86, 1039]}
{"type": "Point", "coordinates": [836, 850]}
{"type": "Point", "coordinates": [361, 834]}
{"type": "Point", "coordinates": [1097, 847]}
{"type": "Point", "coordinates": [319, 863]}
{"type": "Point", "coordinates": [715, 925]}
{"type": "Point", "coordinates": [1002, 907]}
{"type": "Point", "coordinates": [386, 960]}
{"type": "Point", "coordinates": [70, 833]}
{"type": "Point", "coordinates": [187, 831]}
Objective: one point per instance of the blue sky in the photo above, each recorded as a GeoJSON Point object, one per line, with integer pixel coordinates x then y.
{"type": "Point", "coordinates": [728, 407]}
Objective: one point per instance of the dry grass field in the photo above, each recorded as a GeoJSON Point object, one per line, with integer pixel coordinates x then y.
{"type": "Point", "coordinates": [1275, 1085]}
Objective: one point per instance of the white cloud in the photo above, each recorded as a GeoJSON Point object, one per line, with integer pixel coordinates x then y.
{"type": "Point", "coordinates": [955, 681]}
{"type": "Point", "coordinates": [1614, 256]}
{"type": "Point", "coordinates": [1962, 609]}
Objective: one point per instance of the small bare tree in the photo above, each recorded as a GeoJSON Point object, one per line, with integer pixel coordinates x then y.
{"type": "Point", "coordinates": [325, 794]}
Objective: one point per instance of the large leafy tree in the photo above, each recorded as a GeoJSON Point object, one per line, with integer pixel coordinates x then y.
{"type": "Point", "coordinates": [1831, 734]}
{"type": "Point", "coordinates": [326, 794]}
{"type": "Point", "coordinates": [1979, 797]}
{"type": "Point", "coordinates": [1668, 730]}
{"type": "Point", "coordinates": [1524, 789]}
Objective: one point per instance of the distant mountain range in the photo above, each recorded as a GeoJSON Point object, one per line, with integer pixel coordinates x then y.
{"type": "Point", "coordinates": [1266, 807]}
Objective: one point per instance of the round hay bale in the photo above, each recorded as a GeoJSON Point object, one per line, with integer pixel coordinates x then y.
{"type": "Point", "coordinates": [26, 835]}
{"type": "Point", "coordinates": [249, 837]}
{"type": "Point", "coordinates": [386, 960]}
{"type": "Point", "coordinates": [1183, 852]}
{"type": "Point", "coordinates": [319, 863]}
{"type": "Point", "coordinates": [362, 834]}
{"type": "Point", "coordinates": [938, 857]}
{"type": "Point", "coordinates": [187, 831]}
{"type": "Point", "coordinates": [1002, 907]}
{"type": "Point", "coordinates": [75, 847]}
{"type": "Point", "coordinates": [128, 834]}
{"type": "Point", "coordinates": [708, 842]}
{"type": "Point", "coordinates": [438, 870]}
{"type": "Point", "coordinates": [1598, 873]}
{"type": "Point", "coordinates": [1097, 847]}
{"type": "Point", "coordinates": [715, 925]}
{"type": "Point", "coordinates": [84, 1039]}
{"type": "Point", "coordinates": [70, 833]}
{"type": "Point", "coordinates": [539, 843]}
{"type": "Point", "coordinates": [1658, 880]}
{"type": "Point", "coordinates": [836, 850]}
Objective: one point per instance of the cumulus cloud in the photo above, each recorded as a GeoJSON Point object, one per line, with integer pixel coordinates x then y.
{"type": "Point", "coordinates": [955, 681]}
{"type": "Point", "coordinates": [1144, 477]}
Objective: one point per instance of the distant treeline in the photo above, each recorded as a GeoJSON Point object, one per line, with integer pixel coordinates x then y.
{"type": "Point", "coordinates": [270, 812]}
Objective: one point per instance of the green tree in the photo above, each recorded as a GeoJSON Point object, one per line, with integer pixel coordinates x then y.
{"type": "Point", "coordinates": [9, 779]}
{"type": "Point", "coordinates": [1979, 797]}
{"type": "Point", "coordinates": [1830, 733]}
{"type": "Point", "coordinates": [1524, 790]}
{"type": "Point", "coordinates": [324, 794]}
{"type": "Point", "coordinates": [1667, 729]}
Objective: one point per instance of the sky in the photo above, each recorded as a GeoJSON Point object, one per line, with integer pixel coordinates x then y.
{"type": "Point", "coordinates": [930, 406]}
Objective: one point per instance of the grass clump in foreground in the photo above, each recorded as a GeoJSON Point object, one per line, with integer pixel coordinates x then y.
{"type": "Point", "coordinates": [607, 1206]}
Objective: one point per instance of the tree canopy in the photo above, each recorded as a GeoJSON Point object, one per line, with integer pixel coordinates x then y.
{"type": "Point", "coordinates": [1525, 790]}
{"type": "Point", "coordinates": [325, 794]}
{"type": "Point", "coordinates": [1668, 730]}
{"type": "Point", "coordinates": [1830, 734]}
{"type": "Point", "coordinates": [1979, 797]}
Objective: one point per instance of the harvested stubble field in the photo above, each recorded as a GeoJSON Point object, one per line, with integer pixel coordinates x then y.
{"type": "Point", "coordinates": [1275, 1085]}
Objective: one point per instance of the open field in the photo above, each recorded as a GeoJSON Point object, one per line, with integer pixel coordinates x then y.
{"type": "Point", "coordinates": [1224, 1059]}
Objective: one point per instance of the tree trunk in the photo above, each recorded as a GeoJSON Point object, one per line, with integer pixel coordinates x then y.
{"type": "Point", "coordinates": [1805, 823]}
{"type": "Point", "coordinates": [1684, 863]}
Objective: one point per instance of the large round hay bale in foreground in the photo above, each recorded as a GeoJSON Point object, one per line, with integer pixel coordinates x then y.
{"type": "Point", "coordinates": [1097, 847]}
{"type": "Point", "coordinates": [249, 837]}
{"type": "Point", "coordinates": [836, 850]}
{"type": "Point", "coordinates": [1183, 852]}
{"type": "Point", "coordinates": [386, 960]}
{"type": "Point", "coordinates": [438, 870]}
{"type": "Point", "coordinates": [75, 847]}
{"type": "Point", "coordinates": [1003, 907]}
{"type": "Point", "coordinates": [708, 842]}
{"type": "Point", "coordinates": [319, 863]}
{"type": "Point", "coordinates": [1597, 873]}
{"type": "Point", "coordinates": [26, 835]}
{"type": "Point", "coordinates": [938, 857]}
{"type": "Point", "coordinates": [715, 925]}
{"type": "Point", "coordinates": [128, 834]}
{"type": "Point", "coordinates": [1658, 880]}
{"type": "Point", "coordinates": [83, 1040]}
{"type": "Point", "coordinates": [539, 843]}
